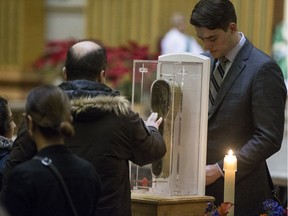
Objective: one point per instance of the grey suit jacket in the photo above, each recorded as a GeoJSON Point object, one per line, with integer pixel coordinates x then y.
{"type": "Point", "coordinates": [247, 117]}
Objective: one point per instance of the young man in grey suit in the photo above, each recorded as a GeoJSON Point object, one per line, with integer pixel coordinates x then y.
{"type": "Point", "coordinates": [246, 112]}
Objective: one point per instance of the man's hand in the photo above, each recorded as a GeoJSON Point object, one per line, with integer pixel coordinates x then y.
{"type": "Point", "coordinates": [212, 173]}
{"type": "Point", "coordinates": [152, 120]}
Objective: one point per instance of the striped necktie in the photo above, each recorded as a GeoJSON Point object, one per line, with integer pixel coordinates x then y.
{"type": "Point", "coordinates": [216, 79]}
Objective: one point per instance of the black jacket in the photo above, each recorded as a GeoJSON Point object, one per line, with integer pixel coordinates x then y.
{"type": "Point", "coordinates": [109, 134]}
{"type": "Point", "coordinates": [5, 147]}
{"type": "Point", "coordinates": [33, 189]}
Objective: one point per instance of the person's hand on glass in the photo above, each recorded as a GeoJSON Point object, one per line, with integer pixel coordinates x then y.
{"type": "Point", "coordinates": [153, 120]}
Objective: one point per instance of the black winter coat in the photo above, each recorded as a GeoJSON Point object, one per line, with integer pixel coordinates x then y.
{"type": "Point", "coordinates": [109, 134]}
{"type": "Point", "coordinates": [34, 190]}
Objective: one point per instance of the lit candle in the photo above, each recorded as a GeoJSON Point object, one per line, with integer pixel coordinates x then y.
{"type": "Point", "coordinates": [230, 167]}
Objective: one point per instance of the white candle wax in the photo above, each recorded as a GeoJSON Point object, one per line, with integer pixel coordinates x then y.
{"type": "Point", "coordinates": [230, 167]}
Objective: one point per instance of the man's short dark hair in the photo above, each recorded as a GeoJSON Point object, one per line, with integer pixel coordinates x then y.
{"type": "Point", "coordinates": [87, 66]}
{"type": "Point", "coordinates": [213, 14]}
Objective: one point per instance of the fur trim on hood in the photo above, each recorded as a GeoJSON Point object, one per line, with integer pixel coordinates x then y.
{"type": "Point", "coordinates": [118, 104]}
{"type": "Point", "coordinates": [5, 143]}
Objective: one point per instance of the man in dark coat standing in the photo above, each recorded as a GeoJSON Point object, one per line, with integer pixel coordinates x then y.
{"type": "Point", "coordinates": [246, 113]}
{"type": "Point", "coordinates": [107, 132]}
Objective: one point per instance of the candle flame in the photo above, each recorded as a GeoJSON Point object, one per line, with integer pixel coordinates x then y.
{"type": "Point", "coordinates": [230, 152]}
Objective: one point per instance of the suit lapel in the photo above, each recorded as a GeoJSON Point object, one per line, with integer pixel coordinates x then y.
{"type": "Point", "coordinates": [235, 70]}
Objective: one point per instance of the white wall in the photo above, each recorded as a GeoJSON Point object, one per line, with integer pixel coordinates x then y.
{"type": "Point", "coordinates": [278, 162]}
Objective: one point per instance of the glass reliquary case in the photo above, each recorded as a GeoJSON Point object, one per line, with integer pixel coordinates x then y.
{"type": "Point", "coordinates": [175, 86]}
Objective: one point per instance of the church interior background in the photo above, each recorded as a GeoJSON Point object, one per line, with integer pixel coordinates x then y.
{"type": "Point", "coordinates": [35, 34]}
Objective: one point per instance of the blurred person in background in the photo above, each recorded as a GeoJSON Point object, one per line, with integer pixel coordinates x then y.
{"type": "Point", "coordinates": [176, 40]}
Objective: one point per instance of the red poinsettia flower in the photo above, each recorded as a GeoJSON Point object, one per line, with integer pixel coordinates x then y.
{"type": "Point", "coordinates": [143, 182]}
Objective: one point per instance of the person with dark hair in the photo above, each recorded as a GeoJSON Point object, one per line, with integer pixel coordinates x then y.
{"type": "Point", "coordinates": [246, 112]}
{"type": "Point", "coordinates": [33, 188]}
{"type": "Point", "coordinates": [107, 132]}
{"type": "Point", "coordinates": [7, 127]}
